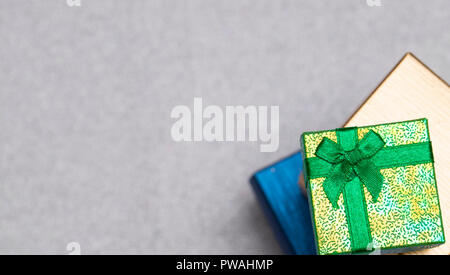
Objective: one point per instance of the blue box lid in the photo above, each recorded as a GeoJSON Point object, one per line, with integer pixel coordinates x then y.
{"type": "Point", "coordinates": [285, 206]}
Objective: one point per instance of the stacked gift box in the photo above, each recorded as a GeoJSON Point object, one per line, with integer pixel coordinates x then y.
{"type": "Point", "coordinates": [377, 185]}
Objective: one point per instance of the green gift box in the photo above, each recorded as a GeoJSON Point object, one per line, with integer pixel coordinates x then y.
{"type": "Point", "coordinates": [372, 188]}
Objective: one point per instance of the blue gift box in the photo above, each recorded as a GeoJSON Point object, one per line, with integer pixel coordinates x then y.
{"type": "Point", "coordinates": [287, 209]}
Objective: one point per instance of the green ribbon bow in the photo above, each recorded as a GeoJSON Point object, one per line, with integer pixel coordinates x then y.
{"type": "Point", "coordinates": [346, 165]}
{"type": "Point", "coordinates": [350, 164]}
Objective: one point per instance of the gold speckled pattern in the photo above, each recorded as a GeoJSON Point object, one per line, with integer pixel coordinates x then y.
{"type": "Point", "coordinates": [331, 223]}
{"type": "Point", "coordinates": [312, 140]}
{"type": "Point", "coordinates": [407, 132]}
{"type": "Point", "coordinates": [407, 212]}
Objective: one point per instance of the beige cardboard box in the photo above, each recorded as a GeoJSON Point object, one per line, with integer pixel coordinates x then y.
{"type": "Point", "coordinates": [410, 91]}
{"type": "Point", "coordinates": [413, 91]}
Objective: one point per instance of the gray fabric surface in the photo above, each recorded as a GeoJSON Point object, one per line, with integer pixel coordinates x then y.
{"type": "Point", "coordinates": [86, 94]}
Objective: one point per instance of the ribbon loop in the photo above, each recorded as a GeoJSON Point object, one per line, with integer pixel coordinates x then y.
{"type": "Point", "coordinates": [370, 144]}
{"type": "Point", "coordinates": [346, 165]}
{"type": "Point", "coordinates": [330, 151]}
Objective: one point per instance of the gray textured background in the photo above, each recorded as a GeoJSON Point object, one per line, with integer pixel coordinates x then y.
{"type": "Point", "coordinates": [86, 94]}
